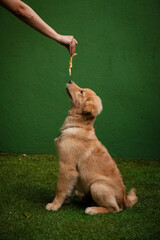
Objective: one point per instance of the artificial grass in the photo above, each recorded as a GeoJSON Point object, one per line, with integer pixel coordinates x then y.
{"type": "Point", "coordinates": [28, 183]}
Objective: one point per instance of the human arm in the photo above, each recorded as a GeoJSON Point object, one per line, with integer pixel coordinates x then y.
{"type": "Point", "coordinates": [30, 17]}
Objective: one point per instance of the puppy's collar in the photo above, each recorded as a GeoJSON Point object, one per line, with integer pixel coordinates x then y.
{"type": "Point", "coordinates": [68, 128]}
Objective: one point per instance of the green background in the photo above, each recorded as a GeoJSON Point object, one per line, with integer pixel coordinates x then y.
{"type": "Point", "coordinates": [118, 57]}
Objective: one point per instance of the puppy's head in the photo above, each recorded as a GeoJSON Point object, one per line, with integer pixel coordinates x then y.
{"type": "Point", "coordinates": [85, 101]}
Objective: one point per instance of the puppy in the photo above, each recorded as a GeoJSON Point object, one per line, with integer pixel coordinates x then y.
{"type": "Point", "coordinates": [85, 164]}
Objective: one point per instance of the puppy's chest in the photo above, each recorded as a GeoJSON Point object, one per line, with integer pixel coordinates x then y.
{"type": "Point", "coordinates": [73, 142]}
{"type": "Point", "coordinates": [68, 144]}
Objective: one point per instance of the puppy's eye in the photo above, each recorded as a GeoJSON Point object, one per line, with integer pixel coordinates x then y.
{"type": "Point", "coordinates": [81, 91]}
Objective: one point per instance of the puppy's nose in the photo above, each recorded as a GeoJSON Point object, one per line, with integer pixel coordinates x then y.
{"type": "Point", "coordinates": [70, 82]}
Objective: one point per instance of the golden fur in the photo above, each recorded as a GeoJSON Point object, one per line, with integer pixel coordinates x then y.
{"type": "Point", "coordinates": [85, 164]}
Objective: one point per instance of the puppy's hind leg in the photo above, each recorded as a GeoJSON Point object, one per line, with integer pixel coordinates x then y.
{"type": "Point", "coordinates": [102, 195]}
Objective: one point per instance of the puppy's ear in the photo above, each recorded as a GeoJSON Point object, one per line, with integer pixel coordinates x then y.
{"type": "Point", "coordinates": [92, 108]}
{"type": "Point", "coordinates": [89, 110]}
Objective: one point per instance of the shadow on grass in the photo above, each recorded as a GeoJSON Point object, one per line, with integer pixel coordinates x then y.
{"type": "Point", "coordinates": [42, 195]}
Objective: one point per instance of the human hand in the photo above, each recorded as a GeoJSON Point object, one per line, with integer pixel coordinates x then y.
{"type": "Point", "coordinates": [69, 42]}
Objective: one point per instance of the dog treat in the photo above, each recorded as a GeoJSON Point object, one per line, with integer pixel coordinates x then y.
{"type": "Point", "coordinates": [70, 63]}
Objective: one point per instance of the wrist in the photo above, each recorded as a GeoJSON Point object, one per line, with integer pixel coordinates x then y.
{"type": "Point", "coordinates": [57, 37]}
{"type": "Point", "coordinates": [54, 35]}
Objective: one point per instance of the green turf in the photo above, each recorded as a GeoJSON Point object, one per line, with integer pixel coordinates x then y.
{"type": "Point", "coordinates": [28, 183]}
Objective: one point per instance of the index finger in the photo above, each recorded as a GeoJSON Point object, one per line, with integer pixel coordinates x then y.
{"type": "Point", "coordinates": [72, 47]}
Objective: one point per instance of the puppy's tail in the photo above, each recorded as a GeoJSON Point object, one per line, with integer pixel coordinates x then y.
{"type": "Point", "coordinates": [131, 198]}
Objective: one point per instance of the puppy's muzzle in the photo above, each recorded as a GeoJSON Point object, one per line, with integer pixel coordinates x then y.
{"type": "Point", "coordinates": [68, 92]}
{"type": "Point", "coordinates": [70, 82]}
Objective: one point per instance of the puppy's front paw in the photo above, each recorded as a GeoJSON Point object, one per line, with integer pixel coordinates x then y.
{"type": "Point", "coordinates": [67, 200]}
{"type": "Point", "coordinates": [80, 195]}
{"type": "Point", "coordinates": [52, 206]}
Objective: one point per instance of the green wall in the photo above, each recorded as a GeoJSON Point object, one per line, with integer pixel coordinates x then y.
{"type": "Point", "coordinates": [118, 57]}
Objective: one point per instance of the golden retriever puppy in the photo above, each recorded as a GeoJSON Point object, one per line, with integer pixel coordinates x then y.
{"type": "Point", "coordinates": [85, 164]}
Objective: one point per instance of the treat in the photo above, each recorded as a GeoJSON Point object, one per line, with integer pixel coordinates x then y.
{"type": "Point", "coordinates": [70, 63]}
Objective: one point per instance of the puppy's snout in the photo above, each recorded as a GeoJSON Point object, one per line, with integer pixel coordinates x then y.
{"type": "Point", "coordinates": [70, 82]}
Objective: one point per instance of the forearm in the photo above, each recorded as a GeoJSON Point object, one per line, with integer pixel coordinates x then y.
{"type": "Point", "coordinates": [28, 15]}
